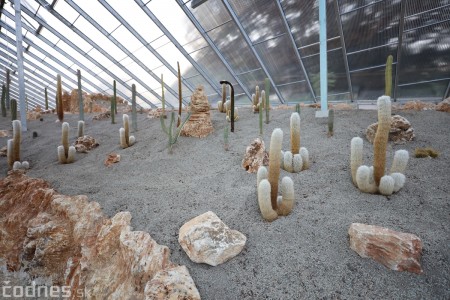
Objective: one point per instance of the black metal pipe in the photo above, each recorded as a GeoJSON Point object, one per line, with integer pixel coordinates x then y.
{"type": "Point", "coordinates": [232, 103]}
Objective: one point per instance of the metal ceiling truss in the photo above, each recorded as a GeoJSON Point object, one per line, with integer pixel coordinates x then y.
{"type": "Point", "coordinates": [252, 48]}
{"type": "Point", "coordinates": [98, 48]}
{"type": "Point", "coordinates": [297, 52]}
{"type": "Point", "coordinates": [399, 48]}
{"type": "Point", "coordinates": [14, 91]}
{"type": "Point", "coordinates": [199, 69]}
{"type": "Point", "coordinates": [87, 56]}
{"type": "Point", "coordinates": [213, 46]}
{"type": "Point", "coordinates": [123, 48]}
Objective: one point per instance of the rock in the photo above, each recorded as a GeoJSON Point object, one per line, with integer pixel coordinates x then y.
{"type": "Point", "coordinates": [444, 105]}
{"type": "Point", "coordinates": [85, 144]}
{"type": "Point", "coordinates": [4, 133]}
{"type": "Point", "coordinates": [173, 283]}
{"type": "Point", "coordinates": [4, 151]}
{"type": "Point", "coordinates": [418, 105]}
{"type": "Point", "coordinates": [206, 239]}
{"type": "Point", "coordinates": [33, 115]}
{"type": "Point", "coordinates": [255, 156]}
{"type": "Point", "coordinates": [69, 239]}
{"type": "Point", "coordinates": [102, 116]}
{"type": "Point", "coordinates": [400, 132]}
{"type": "Point", "coordinates": [199, 124]}
{"type": "Point", "coordinates": [111, 159]}
{"type": "Point", "coordinates": [396, 250]}
{"type": "Point", "coordinates": [156, 113]}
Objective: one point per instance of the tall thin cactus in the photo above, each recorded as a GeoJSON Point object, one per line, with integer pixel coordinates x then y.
{"type": "Point", "coordinates": [80, 96]}
{"type": "Point", "coordinates": [388, 76]}
{"type": "Point", "coordinates": [180, 95]}
{"type": "Point", "coordinates": [46, 99]}
{"type": "Point", "coordinates": [113, 104]}
{"type": "Point", "coordinates": [267, 105]}
{"type": "Point", "coordinates": [8, 82]}
{"type": "Point", "coordinates": [163, 99]}
{"type": "Point", "coordinates": [173, 133]}
{"type": "Point", "coordinates": [133, 107]}
{"type": "Point", "coordinates": [59, 102]}
{"type": "Point", "coordinates": [3, 103]}
{"type": "Point", "coordinates": [13, 109]}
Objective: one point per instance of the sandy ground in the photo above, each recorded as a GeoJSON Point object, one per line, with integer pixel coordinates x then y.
{"type": "Point", "coordinates": [305, 255]}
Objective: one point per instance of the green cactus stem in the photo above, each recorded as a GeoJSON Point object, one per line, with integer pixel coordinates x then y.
{"type": "Point", "coordinates": [230, 115]}
{"type": "Point", "coordinates": [114, 104]}
{"type": "Point", "coordinates": [13, 109]}
{"type": "Point", "coordinates": [163, 99]}
{"type": "Point", "coordinates": [59, 102]}
{"type": "Point", "coordinates": [173, 133]}
{"type": "Point", "coordinates": [80, 96]}
{"type": "Point", "coordinates": [260, 112]}
{"type": "Point", "coordinates": [297, 108]}
{"type": "Point", "coordinates": [388, 76]}
{"type": "Point", "coordinates": [3, 103]}
{"type": "Point", "coordinates": [180, 95]}
{"type": "Point", "coordinates": [8, 82]}
{"type": "Point", "coordinates": [267, 105]}
{"type": "Point", "coordinates": [133, 107]}
{"type": "Point", "coordinates": [46, 99]}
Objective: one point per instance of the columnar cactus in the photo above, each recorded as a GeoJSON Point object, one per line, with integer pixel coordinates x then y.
{"type": "Point", "coordinates": [221, 104]}
{"type": "Point", "coordinates": [46, 99]}
{"type": "Point", "coordinates": [133, 107]}
{"type": "Point", "coordinates": [66, 154]}
{"type": "Point", "coordinates": [373, 179]}
{"type": "Point", "coordinates": [388, 76]}
{"type": "Point", "coordinates": [125, 139]}
{"type": "Point", "coordinates": [260, 121]}
{"type": "Point", "coordinates": [180, 96]}
{"type": "Point", "coordinates": [114, 104]}
{"type": "Point", "coordinates": [13, 145]}
{"type": "Point", "coordinates": [297, 159]}
{"type": "Point", "coordinates": [297, 108]}
{"type": "Point", "coordinates": [3, 103]}
{"type": "Point", "coordinates": [173, 133]}
{"type": "Point", "coordinates": [13, 109]}
{"type": "Point", "coordinates": [59, 103]}
{"type": "Point", "coordinates": [80, 128]}
{"type": "Point", "coordinates": [270, 204]}
{"type": "Point", "coordinates": [8, 82]}
{"type": "Point", "coordinates": [163, 98]}
{"type": "Point", "coordinates": [256, 105]}
{"type": "Point", "coordinates": [80, 96]}
{"type": "Point", "coordinates": [267, 104]}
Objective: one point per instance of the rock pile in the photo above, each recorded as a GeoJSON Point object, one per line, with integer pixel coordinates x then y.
{"type": "Point", "coordinates": [400, 132]}
{"type": "Point", "coordinates": [199, 124]}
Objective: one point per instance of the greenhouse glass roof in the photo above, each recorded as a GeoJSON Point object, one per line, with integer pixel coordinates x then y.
{"type": "Point", "coordinates": [241, 41]}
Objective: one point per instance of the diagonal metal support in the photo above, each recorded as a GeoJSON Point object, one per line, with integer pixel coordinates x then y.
{"type": "Point", "coordinates": [87, 56]}
{"type": "Point", "coordinates": [446, 91]}
{"type": "Point", "coordinates": [120, 46]}
{"type": "Point", "coordinates": [199, 69]}
{"type": "Point", "coordinates": [344, 49]}
{"type": "Point", "coordinates": [15, 89]}
{"type": "Point", "coordinates": [101, 50]}
{"type": "Point", "coordinates": [399, 49]}
{"type": "Point", "coordinates": [250, 45]}
{"type": "Point", "coordinates": [297, 52]}
{"type": "Point", "coordinates": [213, 46]}
{"type": "Point", "coordinates": [20, 73]}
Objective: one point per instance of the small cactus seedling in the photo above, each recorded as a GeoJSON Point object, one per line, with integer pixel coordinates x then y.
{"type": "Point", "coordinates": [373, 179]}
{"type": "Point", "coordinates": [125, 139]}
{"type": "Point", "coordinates": [330, 123]}
{"type": "Point", "coordinates": [173, 133]}
{"type": "Point", "coordinates": [13, 145]}
{"type": "Point", "coordinates": [80, 129]}
{"type": "Point", "coordinates": [59, 102]}
{"type": "Point", "coordinates": [297, 159]}
{"type": "Point", "coordinates": [66, 154]}
{"type": "Point", "coordinates": [270, 204]}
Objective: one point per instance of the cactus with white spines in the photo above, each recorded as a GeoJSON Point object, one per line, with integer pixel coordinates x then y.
{"type": "Point", "coordinates": [66, 154]}
{"type": "Point", "coordinates": [221, 104]}
{"type": "Point", "coordinates": [80, 131]}
{"type": "Point", "coordinates": [373, 179]}
{"type": "Point", "coordinates": [270, 204]}
{"type": "Point", "coordinates": [125, 139]}
{"type": "Point", "coordinates": [297, 159]}
{"type": "Point", "coordinates": [13, 145]}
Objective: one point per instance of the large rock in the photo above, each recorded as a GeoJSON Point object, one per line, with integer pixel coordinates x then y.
{"type": "Point", "coordinates": [199, 124]}
{"type": "Point", "coordinates": [255, 156]}
{"type": "Point", "coordinates": [400, 132]}
{"type": "Point", "coordinates": [444, 105]}
{"type": "Point", "coordinates": [68, 239]}
{"type": "Point", "coordinates": [206, 239]}
{"type": "Point", "coordinates": [85, 143]}
{"type": "Point", "coordinates": [173, 283]}
{"type": "Point", "coordinates": [396, 250]}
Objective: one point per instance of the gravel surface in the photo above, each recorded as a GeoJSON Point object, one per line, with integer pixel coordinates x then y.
{"type": "Point", "coordinates": [305, 255]}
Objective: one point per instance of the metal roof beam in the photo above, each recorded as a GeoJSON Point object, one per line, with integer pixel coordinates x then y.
{"type": "Point", "coordinates": [399, 47]}
{"type": "Point", "coordinates": [15, 88]}
{"type": "Point", "coordinates": [213, 47]}
{"type": "Point", "coordinates": [249, 44]}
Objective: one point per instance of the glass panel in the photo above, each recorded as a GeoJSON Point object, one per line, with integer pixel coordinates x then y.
{"type": "Point", "coordinates": [195, 45]}
{"type": "Point", "coordinates": [94, 8]}
{"type": "Point", "coordinates": [253, 79]}
{"type": "Point", "coordinates": [425, 54]}
{"type": "Point", "coordinates": [126, 38]}
{"type": "Point", "coordinates": [172, 55]}
{"type": "Point", "coordinates": [414, 7]}
{"type": "Point", "coordinates": [348, 5]}
{"type": "Point", "coordinates": [147, 58]}
{"type": "Point", "coordinates": [199, 80]}
{"type": "Point", "coordinates": [425, 90]}
{"type": "Point", "coordinates": [180, 27]}
{"type": "Point", "coordinates": [372, 26]}
{"type": "Point", "coordinates": [280, 60]}
{"type": "Point", "coordinates": [428, 18]}
{"type": "Point", "coordinates": [204, 13]}
{"type": "Point", "coordinates": [314, 49]}
{"type": "Point", "coordinates": [297, 92]}
{"type": "Point", "coordinates": [233, 47]}
{"type": "Point", "coordinates": [260, 19]}
{"type": "Point", "coordinates": [371, 57]}
{"type": "Point", "coordinates": [369, 84]}
{"type": "Point", "coordinates": [66, 11]}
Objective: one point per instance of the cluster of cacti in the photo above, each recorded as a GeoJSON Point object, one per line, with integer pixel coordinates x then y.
{"type": "Point", "coordinates": [133, 107]}
{"type": "Point", "coordinates": [228, 108]}
{"type": "Point", "coordinates": [13, 109]}
{"type": "Point", "coordinates": [125, 139]}
{"type": "Point", "coordinates": [257, 105]}
{"type": "Point", "coordinates": [297, 159]}
{"type": "Point", "coordinates": [221, 104]}
{"type": "Point", "coordinates": [270, 204]}
{"type": "Point", "coordinates": [21, 165]}
{"type": "Point", "coordinates": [114, 104]}
{"type": "Point", "coordinates": [80, 129]}
{"type": "Point", "coordinates": [3, 103]}
{"type": "Point", "coordinates": [388, 76]}
{"type": "Point", "coordinates": [267, 92]}
{"type": "Point", "coordinates": [59, 102]}
{"type": "Point", "coordinates": [66, 154]}
{"type": "Point", "coordinates": [330, 122]}
{"type": "Point", "coordinates": [173, 133]}
{"type": "Point", "coordinates": [13, 145]}
{"type": "Point", "coordinates": [80, 96]}
{"type": "Point", "coordinates": [373, 179]}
